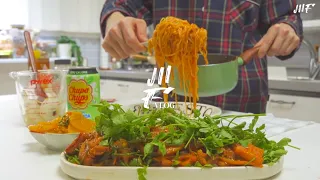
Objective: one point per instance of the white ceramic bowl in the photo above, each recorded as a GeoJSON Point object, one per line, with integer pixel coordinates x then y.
{"type": "Point", "coordinates": [56, 142]}
{"type": "Point", "coordinates": [205, 109]}
{"type": "Point", "coordinates": [169, 173]}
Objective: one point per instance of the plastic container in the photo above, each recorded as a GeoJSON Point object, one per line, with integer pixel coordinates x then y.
{"type": "Point", "coordinates": [18, 43]}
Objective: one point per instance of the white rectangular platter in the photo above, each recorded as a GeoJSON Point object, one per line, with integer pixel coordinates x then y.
{"type": "Point", "coordinates": [169, 173]}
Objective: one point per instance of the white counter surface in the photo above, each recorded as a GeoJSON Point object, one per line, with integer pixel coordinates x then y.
{"type": "Point", "coordinates": [23, 158]}
{"type": "Point", "coordinates": [25, 60]}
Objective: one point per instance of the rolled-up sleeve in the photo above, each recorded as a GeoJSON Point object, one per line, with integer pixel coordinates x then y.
{"type": "Point", "coordinates": [141, 9]}
{"type": "Point", "coordinates": [281, 11]}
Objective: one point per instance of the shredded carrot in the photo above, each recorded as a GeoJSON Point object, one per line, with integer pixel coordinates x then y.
{"type": "Point", "coordinates": [90, 152]}
{"type": "Point", "coordinates": [178, 43]}
{"type": "Point", "coordinates": [164, 161]}
{"type": "Point", "coordinates": [201, 157]}
{"type": "Point", "coordinates": [172, 150]}
{"type": "Point", "coordinates": [222, 163]}
{"type": "Point", "coordinates": [244, 153]}
{"type": "Point", "coordinates": [200, 153]}
{"type": "Point", "coordinates": [236, 162]}
{"type": "Point", "coordinates": [190, 157]}
{"type": "Point", "coordinates": [228, 153]}
{"type": "Point", "coordinates": [115, 161]}
{"type": "Point", "coordinates": [255, 150]}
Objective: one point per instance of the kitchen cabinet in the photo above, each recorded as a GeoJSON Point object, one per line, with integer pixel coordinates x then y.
{"type": "Point", "coordinates": [84, 14]}
{"type": "Point", "coordinates": [44, 14]}
{"type": "Point", "coordinates": [123, 90]}
{"type": "Point", "coordinates": [96, 7]}
{"type": "Point", "coordinates": [13, 12]}
{"type": "Point", "coordinates": [68, 16]}
{"type": "Point", "coordinates": [294, 107]}
{"type": "Point", "coordinates": [69, 19]}
{"type": "Point", "coordinates": [51, 19]}
{"type": "Point", "coordinates": [81, 16]}
{"type": "Point", "coordinates": [34, 14]}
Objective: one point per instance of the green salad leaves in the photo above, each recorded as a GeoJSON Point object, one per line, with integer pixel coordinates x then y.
{"type": "Point", "coordinates": [115, 123]}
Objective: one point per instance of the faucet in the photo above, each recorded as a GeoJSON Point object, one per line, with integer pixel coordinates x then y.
{"type": "Point", "coordinates": [314, 66]}
{"type": "Point", "coordinates": [150, 30]}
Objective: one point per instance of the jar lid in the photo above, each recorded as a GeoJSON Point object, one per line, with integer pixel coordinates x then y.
{"type": "Point", "coordinates": [62, 61]}
{"type": "Point", "coordinates": [83, 70]}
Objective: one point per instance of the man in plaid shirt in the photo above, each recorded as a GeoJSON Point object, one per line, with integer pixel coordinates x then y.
{"type": "Point", "coordinates": [233, 26]}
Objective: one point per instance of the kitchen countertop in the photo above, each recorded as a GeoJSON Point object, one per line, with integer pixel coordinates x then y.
{"type": "Point", "coordinates": [19, 60]}
{"type": "Point", "coordinates": [26, 159]}
{"type": "Point", "coordinates": [123, 75]}
{"type": "Point", "coordinates": [307, 86]}
{"type": "Point", "coordinates": [24, 60]}
{"type": "Point", "coordinates": [295, 93]}
{"type": "Point", "coordinates": [277, 86]}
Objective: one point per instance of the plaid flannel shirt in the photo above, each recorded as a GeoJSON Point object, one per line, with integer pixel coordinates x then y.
{"type": "Point", "coordinates": [233, 26]}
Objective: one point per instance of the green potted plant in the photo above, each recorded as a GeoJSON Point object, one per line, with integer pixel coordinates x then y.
{"type": "Point", "coordinates": [64, 46]}
{"type": "Point", "coordinates": [68, 48]}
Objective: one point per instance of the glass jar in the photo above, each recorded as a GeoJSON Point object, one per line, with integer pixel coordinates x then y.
{"type": "Point", "coordinates": [62, 64]}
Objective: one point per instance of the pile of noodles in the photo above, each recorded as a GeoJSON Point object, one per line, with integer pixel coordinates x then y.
{"type": "Point", "coordinates": [178, 43]}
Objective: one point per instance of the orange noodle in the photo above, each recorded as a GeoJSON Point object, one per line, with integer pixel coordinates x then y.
{"type": "Point", "coordinates": [177, 42]}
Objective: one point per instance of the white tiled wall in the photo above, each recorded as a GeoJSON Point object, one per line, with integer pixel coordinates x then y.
{"type": "Point", "coordinates": [90, 49]}
{"type": "Point", "coordinates": [89, 44]}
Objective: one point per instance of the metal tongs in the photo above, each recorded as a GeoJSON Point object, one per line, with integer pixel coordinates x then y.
{"type": "Point", "coordinates": [150, 59]}
{"type": "Point", "coordinates": [145, 44]}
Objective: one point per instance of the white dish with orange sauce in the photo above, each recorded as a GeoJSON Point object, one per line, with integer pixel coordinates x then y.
{"type": "Point", "coordinates": [169, 173]}
{"type": "Point", "coordinates": [53, 141]}
{"type": "Point", "coordinates": [185, 107]}
{"type": "Point", "coordinates": [60, 132]}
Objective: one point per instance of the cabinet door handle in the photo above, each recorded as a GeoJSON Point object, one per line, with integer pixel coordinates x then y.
{"type": "Point", "coordinates": [282, 102]}
{"type": "Point", "coordinates": [123, 85]}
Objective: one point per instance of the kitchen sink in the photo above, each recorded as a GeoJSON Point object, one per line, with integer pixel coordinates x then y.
{"type": "Point", "coordinates": [309, 71]}
{"type": "Point", "coordinates": [300, 74]}
{"type": "Point", "coordinates": [293, 79]}
{"type": "Point", "coordinates": [291, 73]}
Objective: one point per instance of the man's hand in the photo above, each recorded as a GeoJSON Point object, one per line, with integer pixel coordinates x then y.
{"type": "Point", "coordinates": [124, 36]}
{"type": "Point", "coordinates": [280, 40]}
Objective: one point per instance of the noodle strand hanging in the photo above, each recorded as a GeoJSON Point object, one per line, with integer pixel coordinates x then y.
{"type": "Point", "coordinates": [178, 43]}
